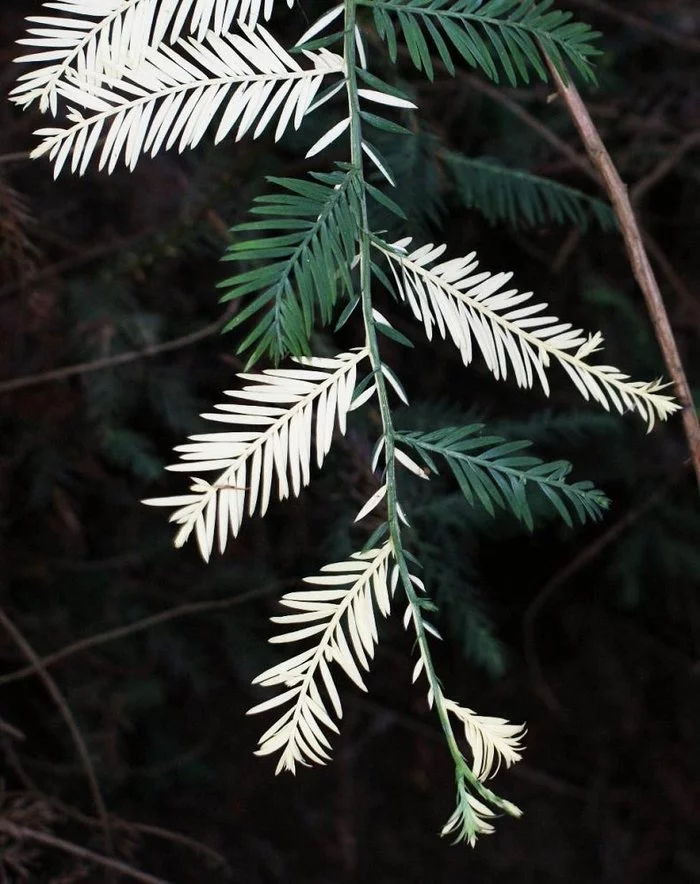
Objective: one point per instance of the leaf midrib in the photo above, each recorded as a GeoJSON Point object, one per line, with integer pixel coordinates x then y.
{"type": "Point", "coordinates": [277, 288]}
{"type": "Point", "coordinates": [490, 465]}
{"type": "Point", "coordinates": [89, 35]}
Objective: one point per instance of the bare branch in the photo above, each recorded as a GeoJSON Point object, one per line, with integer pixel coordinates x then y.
{"type": "Point", "coordinates": [66, 810]}
{"type": "Point", "coordinates": [666, 165]}
{"type": "Point", "coordinates": [40, 664]}
{"type": "Point", "coordinates": [62, 374]}
{"type": "Point", "coordinates": [69, 719]}
{"type": "Point", "coordinates": [536, 125]}
{"type": "Point", "coordinates": [24, 833]}
{"type": "Point", "coordinates": [639, 261]}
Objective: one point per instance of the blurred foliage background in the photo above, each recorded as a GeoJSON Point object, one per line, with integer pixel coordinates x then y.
{"type": "Point", "coordinates": [109, 326]}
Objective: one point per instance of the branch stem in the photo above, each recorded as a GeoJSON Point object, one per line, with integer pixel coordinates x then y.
{"type": "Point", "coordinates": [24, 833]}
{"type": "Point", "coordinates": [462, 769]}
{"type": "Point", "coordinates": [636, 252]}
{"type": "Point", "coordinates": [388, 431]}
{"type": "Point", "coordinates": [91, 641]}
{"type": "Point", "coordinates": [59, 700]}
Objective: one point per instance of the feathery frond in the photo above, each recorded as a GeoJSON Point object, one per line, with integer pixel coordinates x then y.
{"type": "Point", "coordinates": [341, 612]}
{"type": "Point", "coordinates": [307, 263]}
{"type": "Point", "coordinates": [170, 97]}
{"type": "Point", "coordinates": [470, 817]}
{"type": "Point", "coordinates": [476, 313]}
{"type": "Point", "coordinates": [519, 197]}
{"type": "Point", "coordinates": [498, 473]}
{"type": "Point", "coordinates": [549, 426]}
{"type": "Point", "coordinates": [493, 741]}
{"type": "Point", "coordinates": [426, 171]}
{"type": "Point", "coordinates": [467, 619]}
{"type": "Point", "coordinates": [513, 31]}
{"type": "Point", "coordinates": [293, 407]}
{"type": "Point", "coordinates": [98, 40]}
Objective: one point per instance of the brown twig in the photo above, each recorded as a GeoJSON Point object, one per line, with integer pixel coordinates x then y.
{"type": "Point", "coordinates": [565, 574]}
{"type": "Point", "coordinates": [639, 261]}
{"type": "Point", "coordinates": [40, 664]}
{"type": "Point", "coordinates": [192, 844]}
{"type": "Point", "coordinates": [69, 371]}
{"type": "Point", "coordinates": [73, 813]}
{"type": "Point", "coordinates": [8, 730]}
{"type": "Point", "coordinates": [24, 833]}
{"type": "Point", "coordinates": [84, 257]}
{"type": "Point", "coordinates": [582, 163]}
{"type": "Point", "coordinates": [63, 707]}
{"type": "Point", "coordinates": [641, 24]}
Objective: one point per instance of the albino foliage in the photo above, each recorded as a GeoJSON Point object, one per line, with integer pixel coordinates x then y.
{"type": "Point", "coordinates": [473, 309]}
{"type": "Point", "coordinates": [271, 440]}
{"type": "Point", "coordinates": [171, 97]}
{"type": "Point", "coordinates": [101, 39]}
{"type": "Point", "coordinates": [372, 503]}
{"type": "Point", "coordinates": [472, 816]}
{"type": "Point", "coordinates": [492, 740]}
{"type": "Point", "coordinates": [340, 617]}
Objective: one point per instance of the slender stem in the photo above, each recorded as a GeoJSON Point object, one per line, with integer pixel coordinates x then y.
{"type": "Point", "coordinates": [349, 52]}
{"type": "Point", "coordinates": [435, 687]}
{"type": "Point", "coordinates": [24, 833]}
{"type": "Point", "coordinates": [636, 253]}
{"type": "Point", "coordinates": [185, 610]}
{"type": "Point", "coordinates": [69, 371]}
{"type": "Point", "coordinates": [388, 432]}
{"type": "Point", "coordinates": [462, 770]}
{"type": "Point", "coordinates": [67, 715]}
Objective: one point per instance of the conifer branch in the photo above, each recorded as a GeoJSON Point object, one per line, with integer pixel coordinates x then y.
{"type": "Point", "coordinates": [498, 33]}
{"type": "Point", "coordinates": [170, 96]}
{"type": "Point", "coordinates": [307, 263]}
{"type": "Point", "coordinates": [126, 72]}
{"type": "Point", "coordinates": [501, 474]}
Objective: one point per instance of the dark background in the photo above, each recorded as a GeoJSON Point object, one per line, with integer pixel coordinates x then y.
{"type": "Point", "coordinates": [592, 636]}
